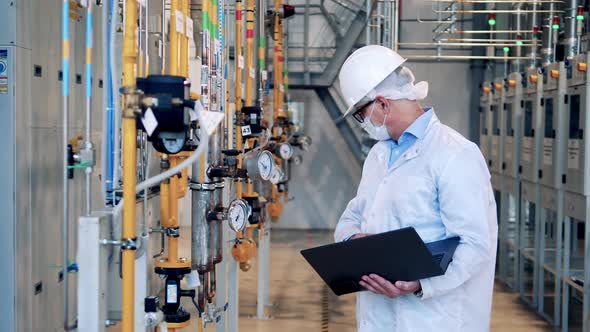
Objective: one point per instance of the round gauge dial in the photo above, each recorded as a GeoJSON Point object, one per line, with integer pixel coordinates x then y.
{"type": "Point", "coordinates": [286, 151]}
{"type": "Point", "coordinates": [265, 165]}
{"type": "Point", "coordinates": [277, 175]}
{"type": "Point", "coordinates": [238, 214]}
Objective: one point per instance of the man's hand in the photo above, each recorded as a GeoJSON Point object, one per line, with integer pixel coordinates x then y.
{"type": "Point", "coordinates": [379, 285]}
{"type": "Point", "coordinates": [358, 236]}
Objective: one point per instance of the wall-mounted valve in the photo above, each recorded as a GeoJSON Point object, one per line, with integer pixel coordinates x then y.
{"type": "Point", "coordinates": [173, 312]}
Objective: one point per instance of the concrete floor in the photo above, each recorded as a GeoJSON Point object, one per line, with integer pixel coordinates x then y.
{"type": "Point", "coordinates": [303, 303]}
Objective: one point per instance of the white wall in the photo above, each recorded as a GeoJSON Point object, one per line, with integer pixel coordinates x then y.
{"type": "Point", "coordinates": [328, 176]}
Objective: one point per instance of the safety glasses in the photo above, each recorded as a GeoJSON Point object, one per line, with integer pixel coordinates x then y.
{"type": "Point", "coordinates": [359, 115]}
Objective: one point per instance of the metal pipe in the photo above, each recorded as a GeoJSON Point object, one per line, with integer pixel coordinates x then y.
{"type": "Point", "coordinates": [516, 24]}
{"type": "Point", "coordinates": [496, 1]}
{"type": "Point", "coordinates": [238, 88]}
{"type": "Point", "coordinates": [484, 40]}
{"type": "Point", "coordinates": [368, 18]}
{"type": "Point", "coordinates": [250, 68]}
{"type": "Point", "coordinates": [129, 169]}
{"type": "Point", "coordinates": [459, 57]}
{"type": "Point", "coordinates": [306, 75]}
{"type": "Point", "coordinates": [496, 11]}
{"type": "Point", "coordinates": [460, 44]}
{"type": "Point", "coordinates": [396, 25]}
{"type": "Point", "coordinates": [163, 37]}
{"type": "Point", "coordinates": [570, 38]}
{"type": "Point", "coordinates": [547, 50]}
{"type": "Point", "coordinates": [484, 31]}
{"type": "Point", "coordinates": [65, 109]}
{"type": "Point", "coordinates": [533, 22]}
{"type": "Point", "coordinates": [115, 94]}
{"type": "Point", "coordinates": [88, 136]}
{"type": "Point", "coordinates": [104, 164]}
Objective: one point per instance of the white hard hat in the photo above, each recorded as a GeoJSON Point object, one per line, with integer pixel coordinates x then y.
{"type": "Point", "coordinates": [364, 70]}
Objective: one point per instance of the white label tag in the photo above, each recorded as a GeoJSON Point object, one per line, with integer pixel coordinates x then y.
{"type": "Point", "coordinates": [192, 280]}
{"type": "Point", "coordinates": [252, 73]}
{"type": "Point", "coordinates": [179, 22]}
{"type": "Point", "coordinates": [494, 147]}
{"type": "Point", "coordinates": [210, 120]}
{"type": "Point", "coordinates": [241, 62]}
{"type": "Point", "coordinates": [282, 88]}
{"type": "Point", "coordinates": [573, 154]}
{"type": "Point", "coordinates": [217, 45]}
{"type": "Point", "coordinates": [264, 74]}
{"type": "Point", "coordinates": [149, 121]}
{"type": "Point", "coordinates": [246, 131]}
{"type": "Point", "coordinates": [547, 151]}
{"type": "Point", "coordinates": [508, 145]}
{"type": "Point", "coordinates": [141, 2]}
{"type": "Point", "coordinates": [172, 294]}
{"type": "Point", "coordinates": [189, 27]}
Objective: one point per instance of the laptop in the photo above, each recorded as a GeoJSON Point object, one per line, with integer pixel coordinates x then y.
{"type": "Point", "coordinates": [398, 255]}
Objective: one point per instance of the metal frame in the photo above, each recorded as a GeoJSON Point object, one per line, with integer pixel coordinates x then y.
{"type": "Point", "coordinates": [530, 187]}
{"type": "Point", "coordinates": [552, 190]}
{"type": "Point", "coordinates": [577, 196]}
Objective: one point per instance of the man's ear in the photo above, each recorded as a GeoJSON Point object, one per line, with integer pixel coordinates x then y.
{"type": "Point", "coordinates": [384, 103]}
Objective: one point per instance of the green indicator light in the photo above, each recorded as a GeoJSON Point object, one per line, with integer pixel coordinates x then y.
{"type": "Point", "coordinates": [492, 21]}
{"type": "Point", "coordinates": [555, 26]}
{"type": "Point", "coordinates": [580, 17]}
{"type": "Point", "coordinates": [506, 49]}
{"type": "Point", "coordinates": [519, 42]}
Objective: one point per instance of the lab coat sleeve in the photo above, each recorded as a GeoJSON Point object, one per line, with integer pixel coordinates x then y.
{"type": "Point", "coordinates": [350, 221]}
{"type": "Point", "coordinates": [464, 198]}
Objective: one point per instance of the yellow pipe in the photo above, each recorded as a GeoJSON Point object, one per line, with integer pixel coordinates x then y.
{"type": "Point", "coordinates": [249, 52]}
{"type": "Point", "coordinates": [129, 171]}
{"type": "Point", "coordinates": [164, 199]}
{"type": "Point", "coordinates": [276, 54]}
{"type": "Point", "coordinates": [238, 91]}
{"type": "Point", "coordinates": [173, 65]}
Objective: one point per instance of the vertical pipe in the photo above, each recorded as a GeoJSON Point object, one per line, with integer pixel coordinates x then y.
{"type": "Point", "coordinates": [88, 143]}
{"type": "Point", "coordinates": [65, 100]}
{"type": "Point", "coordinates": [104, 159]}
{"type": "Point", "coordinates": [238, 83]}
{"type": "Point", "coordinates": [306, 75]}
{"type": "Point", "coordinates": [116, 100]}
{"type": "Point", "coordinates": [184, 40]}
{"type": "Point", "coordinates": [261, 50]}
{"type": "Point", "coordinates": [368, 25]}
{"type": "Point", "coordinates": [174, 38]}
{"type": "Point", "coordinates": [570, 38]}
{"type": "Point", "coordinates": [534, 22]}
{"type": "Point", "coordinates": [547, 51]}
{"type": "Point", "coordinates": [163, 36]}
{"type": "Point", "coordinates": [129, 170]}
{"type": "Point", "coordinates": [250, 68]}
{"type": "Point", "coordinates": [516, 22]}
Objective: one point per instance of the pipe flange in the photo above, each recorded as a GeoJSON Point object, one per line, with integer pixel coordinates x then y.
{"type": "Point", "coordinates": [129, 244]}
{"type": "Point", "coordinates": [220, 185]}
{"type": "Point", "coordinates": [172, 232]}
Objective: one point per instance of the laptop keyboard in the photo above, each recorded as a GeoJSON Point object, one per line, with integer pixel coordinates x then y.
{"type": "Point", "coordinates": [438, 258]}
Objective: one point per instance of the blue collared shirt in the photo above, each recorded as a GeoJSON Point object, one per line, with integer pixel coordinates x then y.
{"type": "Point", "coordinates": [409, 136]}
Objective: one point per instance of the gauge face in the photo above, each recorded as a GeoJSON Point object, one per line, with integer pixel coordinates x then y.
{"type": "Point", "coordinates": [286, 151]}
{"type": "Point", "coordinates": [297, 160]}
{"type": "Point", "coordinates": [238, 214]}
{"type": "Point", "coordinates": [277, 175]}
{"type": "Point", "coordinates": [265, 165]}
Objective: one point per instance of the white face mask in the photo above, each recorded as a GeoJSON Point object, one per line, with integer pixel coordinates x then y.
{"type": "Point", "coordinates": [377, 133]}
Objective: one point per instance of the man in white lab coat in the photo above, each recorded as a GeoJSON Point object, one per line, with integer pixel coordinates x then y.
{"type": "Point", "coordinates": [422, 174]}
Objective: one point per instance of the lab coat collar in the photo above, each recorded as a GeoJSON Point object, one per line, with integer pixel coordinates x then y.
{"type": "Point", "coordinates": [413, 152]}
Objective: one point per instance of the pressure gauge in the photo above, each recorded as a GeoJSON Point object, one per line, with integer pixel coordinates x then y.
{"type": "Point", "coordinates": [259, 164]}
{"type": "Point", "coordinates": [238, 213]}
{"type": "Point", "coordinates": [265, 165]}
{"type": "Point", "coordinates": [277, 175]}
{"type": "Point", "coordinates": [286, 151]}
